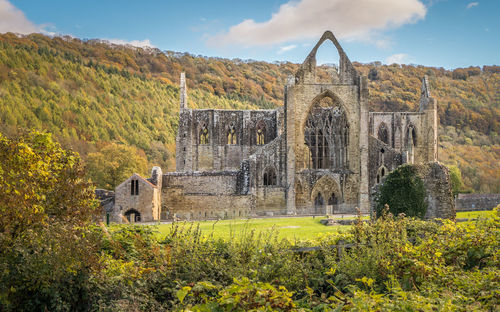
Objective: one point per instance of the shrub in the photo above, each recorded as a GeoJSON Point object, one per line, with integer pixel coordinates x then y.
{"type": "Point", "coordinates": [404, 192]}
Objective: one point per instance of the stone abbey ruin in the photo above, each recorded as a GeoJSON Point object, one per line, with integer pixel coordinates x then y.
{"type": "Point", "coordinates": [322, 152]}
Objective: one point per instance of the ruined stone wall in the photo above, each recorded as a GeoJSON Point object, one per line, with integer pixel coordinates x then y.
{"type": "Point", "coordinates": [439, 198]}
{"type": "Point", "coordinates": [215, 140]}
{"type": "Point", "coordinates": [204, 195]}
{"type": "Point", "coordinates": [270, 200]}
{"type": "Point", "coordinates": [382, 160]}
{"type": "Point", "coordinates": [397, 125]}
{"type": "Point", "coordinates": [475, 202]}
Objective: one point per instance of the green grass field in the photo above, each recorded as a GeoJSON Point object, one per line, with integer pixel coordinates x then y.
{"type": "Point", "coordinates": [291, 228]}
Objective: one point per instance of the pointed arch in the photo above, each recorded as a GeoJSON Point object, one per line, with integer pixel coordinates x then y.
{"type": "Point", "coordinates": [383, 133]}
{"type": "Point", "coordinates": [381, 173]}
{"type": "Point", "coordinates": [326, 186]}
{"type": "Point", "coordinates": [411, 139]}
{"type": "Point", "coordinates": [260, 133]}
{"type": "Point", "coordinates": [326, 132]}
{"type": "Point", "coordinates": [231, 134]}
{"type": "Point", "coordinates": [346, 71]}
{"type": "Point", "coordinates": [203, 134]}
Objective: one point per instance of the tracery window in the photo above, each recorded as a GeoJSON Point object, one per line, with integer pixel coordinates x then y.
{"type": "Point", "coordinates": [204, 135]}
{"type": "Point", "coordinates": [231, 135]}
{"type": "Point", "coordinates": [326, 134]}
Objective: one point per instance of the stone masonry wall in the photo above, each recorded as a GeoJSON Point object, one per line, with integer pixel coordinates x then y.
{"type": "Point", "coordinates": [475, 202]}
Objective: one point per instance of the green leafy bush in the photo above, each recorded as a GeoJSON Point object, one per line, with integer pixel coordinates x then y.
{"type": "Point", "coordinates": [404, 192]}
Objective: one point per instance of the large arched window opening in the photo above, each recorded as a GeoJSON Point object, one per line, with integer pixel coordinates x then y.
{"type": "Point", "coordinates": [204, 135]}
{"type": "Point", "coordinates": [383, 134]}
{"type": "Point", "coordinates": [411, 136]}
{"type": "Point", "coordinates": [260, 133]}
{"type": "Point", "coordinates": [231, 134]}
{"type": "Point", "coordinates": [326, 134]}
{"type": "Point", "coordinates": [269, 177]}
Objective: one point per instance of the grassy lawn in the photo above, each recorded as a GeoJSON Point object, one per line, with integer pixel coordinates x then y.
{"type": "Point", "coordinates": [294, 229]}
{"type": "Point", "coordinates": [474, 214]}
{"type": "Point", "coordinates": [291, 228]}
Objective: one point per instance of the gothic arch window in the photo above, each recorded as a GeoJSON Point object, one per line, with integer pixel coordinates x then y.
{"type": "Point", "coordinates": [260, 133]}
{"type": "Point", "coordinates": [383, 134]}
{"type": "Point", "coordinates": [326, 134]}
{"type": "Point", "coordinates": [231, 135]}
{"type": "Point", "coordinates": [269, 177]}
{"type": "Point", "coordinates": [204, 135]}
{"type": "Point", "coordinates": [382, 172]}
{"type": "Point", "coordinates": [411, 136]}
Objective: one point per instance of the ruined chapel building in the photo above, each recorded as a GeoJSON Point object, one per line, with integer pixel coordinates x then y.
{"type": "Point", "coordinates": [320, 153]}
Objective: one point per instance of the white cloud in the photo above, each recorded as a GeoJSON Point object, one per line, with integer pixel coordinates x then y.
{"type": "Point", "coordinates": [13, 20]}
{"type": "Point", "coordinates": [472, 4]}
{"type": "Point", "coordinates": [306, 19]}
{"type": "Point", "coordinates": [286, 48]}
{"type": "Point", "coordinates": [136, 43]}
{"type": "Point", "coordinates": [400, 58]}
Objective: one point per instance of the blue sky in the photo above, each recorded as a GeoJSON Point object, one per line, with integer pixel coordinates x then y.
{"type": "Point", "coordinates": [447, 33]}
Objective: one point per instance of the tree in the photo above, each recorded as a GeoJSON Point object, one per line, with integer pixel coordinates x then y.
{"type": "Point", "coordinates": [457, 184]}
{"type": "Point", "coordinates": [47, 249]}
{"type": "Point", "coordinates": [115, 163]}
{"type": "Point", "coordinates": [404, 192]}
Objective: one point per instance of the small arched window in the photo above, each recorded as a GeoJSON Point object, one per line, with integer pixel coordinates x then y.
{"type": "Point", "coordinates": [231, 135]}
{"type": "Point", "coordinates": [204, 135]}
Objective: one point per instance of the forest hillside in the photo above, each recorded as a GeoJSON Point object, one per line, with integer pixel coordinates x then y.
{"type": "Point", "coordinates": [92, 94]}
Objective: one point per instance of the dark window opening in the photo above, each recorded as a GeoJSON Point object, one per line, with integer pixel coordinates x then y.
{"type": "Point", "coordinates": [269, 177]}
{"type": "Point", "coordinates": [134, 187]}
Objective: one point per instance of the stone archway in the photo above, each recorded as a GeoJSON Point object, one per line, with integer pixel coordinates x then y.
{"type": "Point", "coordinates": [331, 196]}
{"type": "Point", "coordinates": [133, 216]}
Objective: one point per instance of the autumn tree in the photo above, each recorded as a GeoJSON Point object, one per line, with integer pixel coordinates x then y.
{"type": "Point", "coordinates": [114, 163]}
{"type": "Point", "coordinates": [47, 249]}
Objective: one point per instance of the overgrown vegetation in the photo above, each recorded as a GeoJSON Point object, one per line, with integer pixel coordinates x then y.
{"type": "Point", "coordinates": [91, 93]}
{"type": "Point", "coordinates": [402, 192]}
{"type": "Point", "coordinates": [53, 258]}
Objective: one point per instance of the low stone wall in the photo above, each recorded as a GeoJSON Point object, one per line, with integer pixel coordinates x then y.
{"type": "Point", "coordinates": [475, 202]}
